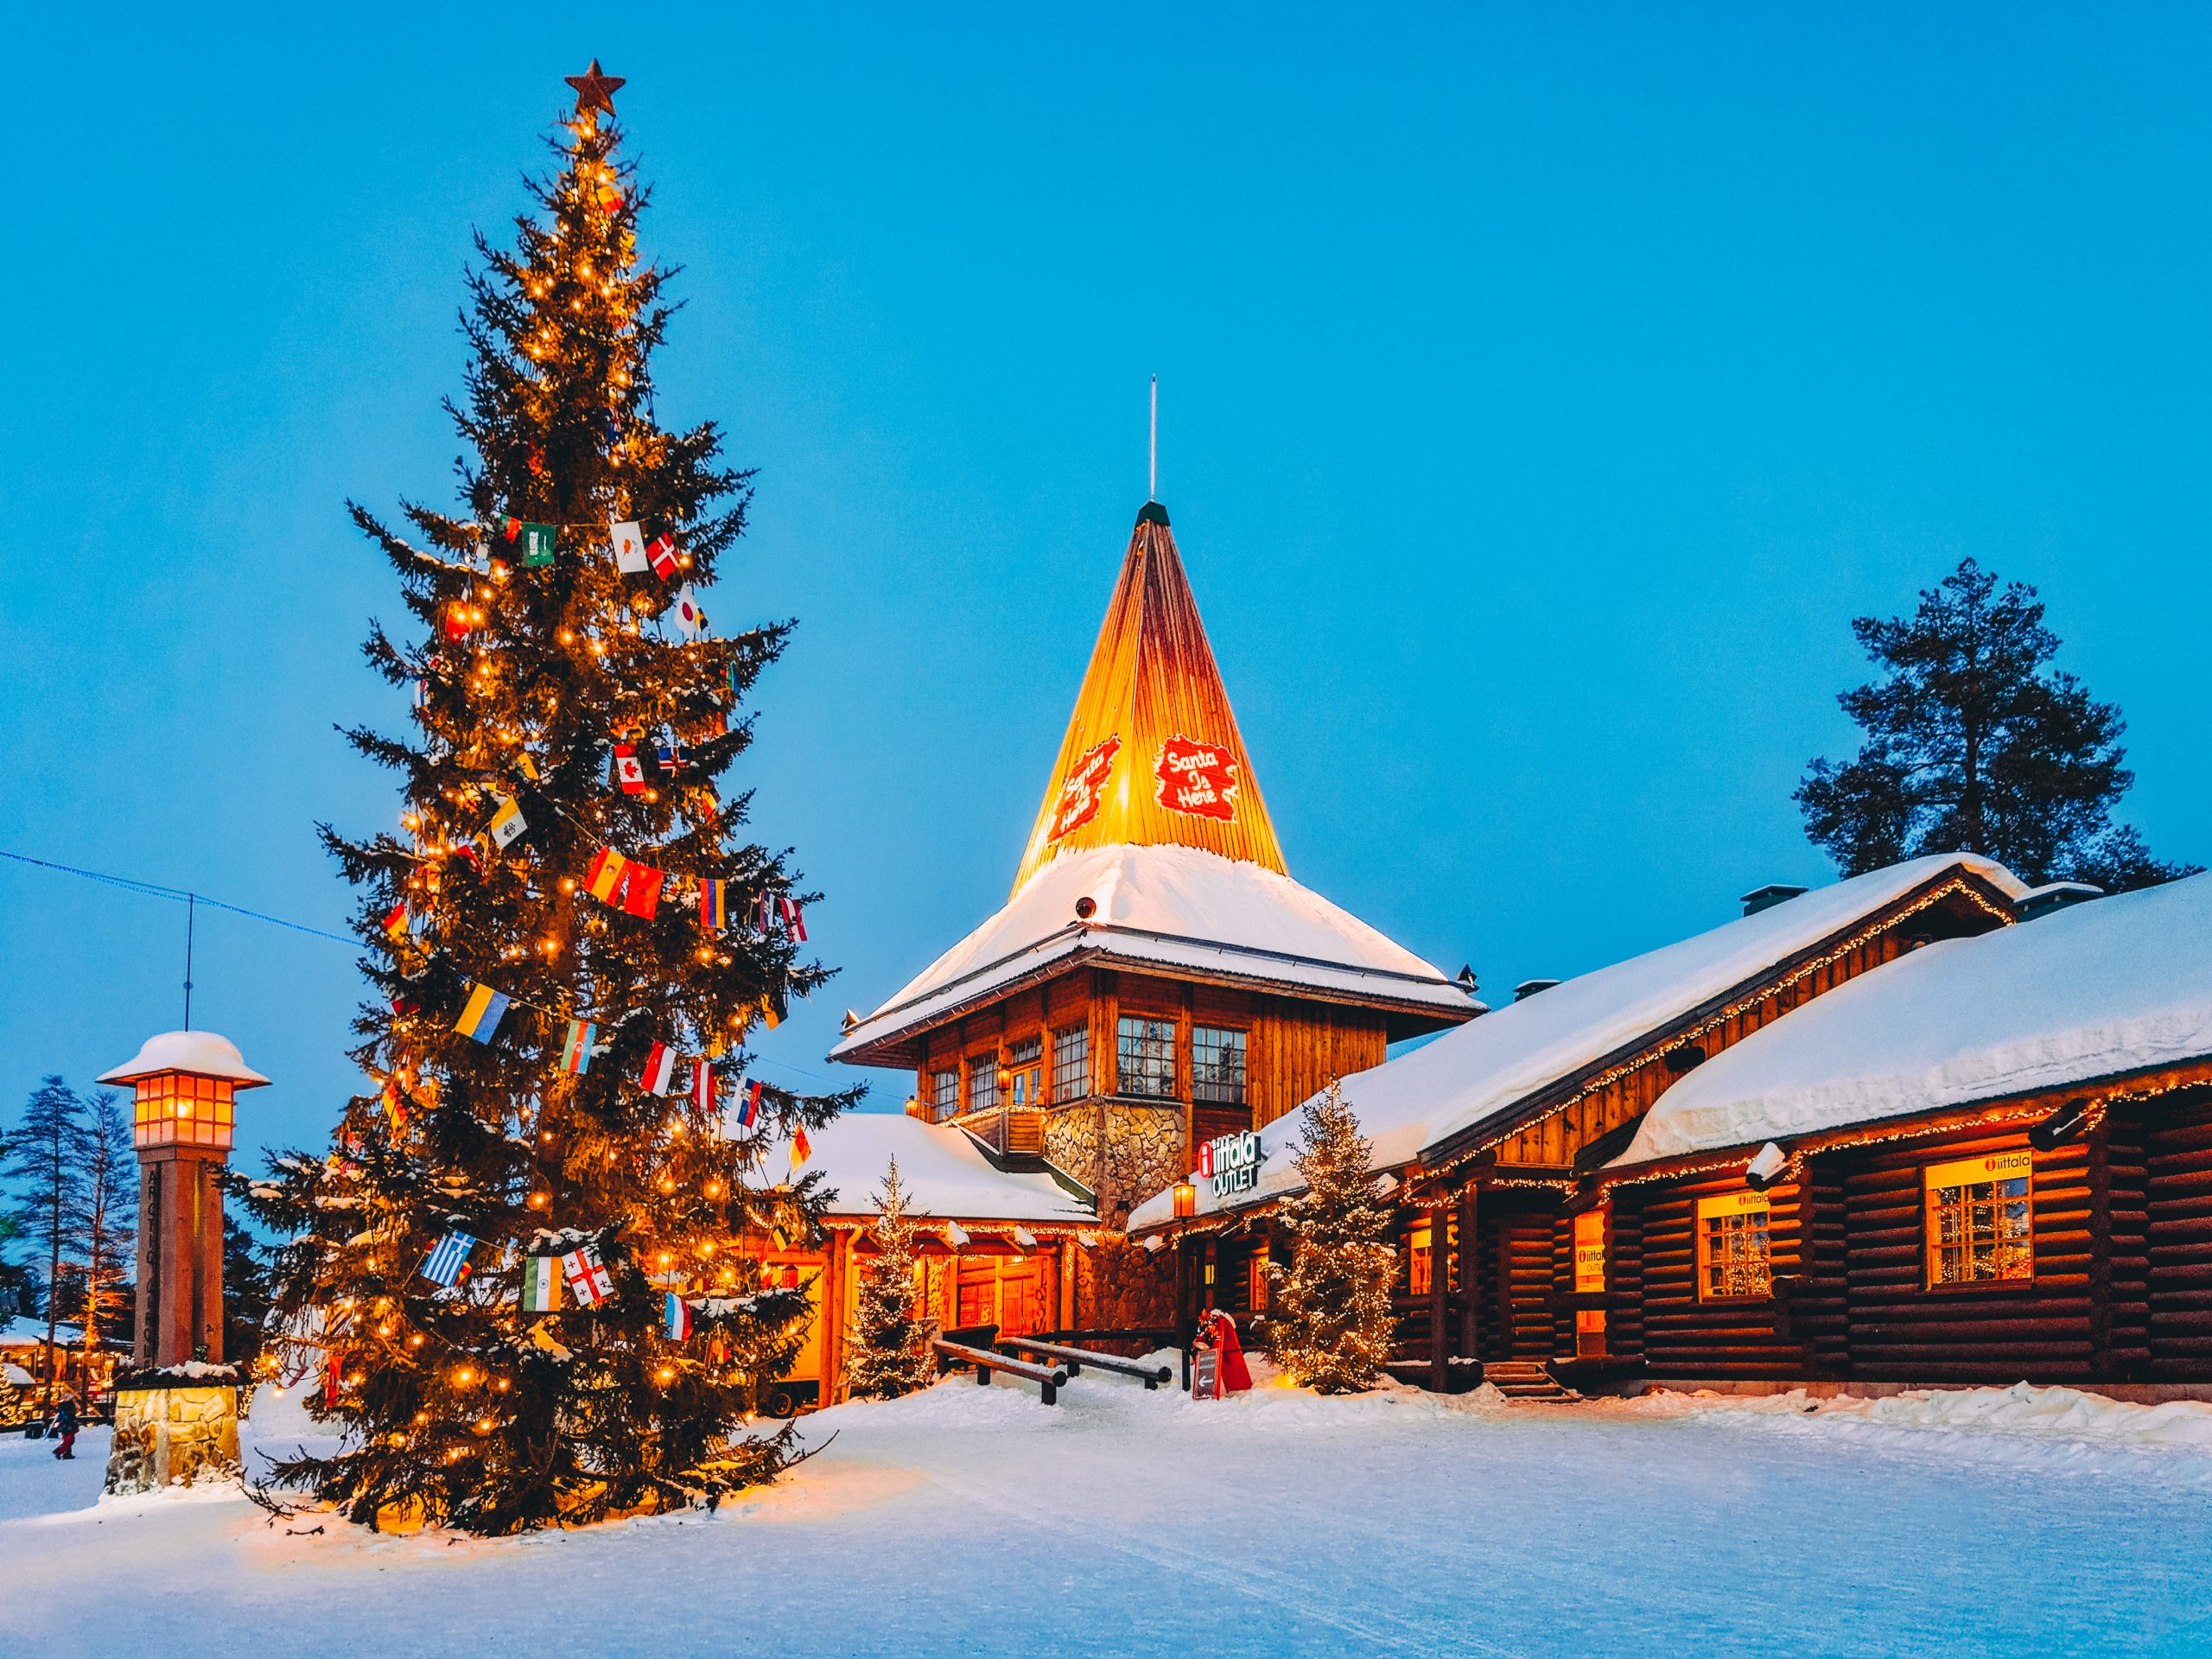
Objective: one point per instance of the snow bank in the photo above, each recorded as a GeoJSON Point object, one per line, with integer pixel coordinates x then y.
{"type": "Point", "coordinates": [2100, 989]}
{"type": "Point", "coordinates": [941, 1170]}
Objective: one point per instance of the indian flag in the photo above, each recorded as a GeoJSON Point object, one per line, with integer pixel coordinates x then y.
{"type": "Point", "coordinates": [541, 1285]}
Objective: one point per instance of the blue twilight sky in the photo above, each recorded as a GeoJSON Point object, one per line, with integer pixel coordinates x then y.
{"type": "Point", "coordinates": [1543, 387]}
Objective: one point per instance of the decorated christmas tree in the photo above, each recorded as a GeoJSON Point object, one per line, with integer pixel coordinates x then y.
{"type": "Point", "coordinates": [529, 1251]}
{"type": "Point", "coordinates": [1330, 1324]}
{"type": "Point", "coordinates": [889, 1353]}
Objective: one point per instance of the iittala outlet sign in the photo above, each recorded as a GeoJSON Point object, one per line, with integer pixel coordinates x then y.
{"type": "Point", "coordinates": [1232, 1162]}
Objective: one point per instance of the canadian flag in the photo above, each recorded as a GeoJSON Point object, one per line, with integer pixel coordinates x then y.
{"type": "Point", "coordinates": [629, 771]}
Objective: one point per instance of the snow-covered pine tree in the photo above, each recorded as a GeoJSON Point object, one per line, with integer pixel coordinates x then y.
{"type": "Point", "coordinates": [889, 1353]}
{"type": "Point", "coordinates": [1974, 744]}
{"type": "Point", "coordinates": [45, 1162]}
{"type": "Point", "coordinates": [555, 922]}
{"type": "Point", "coordinates": [1329, 1327]}
{"type": "Point", "coordinates": [106, 1222]}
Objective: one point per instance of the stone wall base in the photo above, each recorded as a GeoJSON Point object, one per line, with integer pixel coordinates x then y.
{"type": "Point", "coordinates": [171, 1436]}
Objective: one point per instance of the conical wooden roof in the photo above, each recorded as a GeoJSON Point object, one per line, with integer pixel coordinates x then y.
{"type": "Point", "coordinates": [1152, 757]}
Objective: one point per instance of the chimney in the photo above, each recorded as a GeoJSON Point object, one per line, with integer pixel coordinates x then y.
{"type": "Point", "coordinates": [2056, 895]}
{"type": "Point", "coordinates": [1766, 898]}
{"type": "Point", "coordinates": [1528, 988]}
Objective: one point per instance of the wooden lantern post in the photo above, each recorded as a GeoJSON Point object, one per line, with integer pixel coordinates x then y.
{"type": "Point", "coordinates": [176, 1411]}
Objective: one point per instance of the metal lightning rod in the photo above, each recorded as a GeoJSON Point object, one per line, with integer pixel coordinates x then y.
{"type": "Point", "coordinates": [1151, 481]}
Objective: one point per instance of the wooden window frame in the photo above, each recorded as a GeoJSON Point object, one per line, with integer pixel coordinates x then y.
{"type": "Point", "coordinates": [1080, 1069]}
{"type": "Point", "coordinates": [1242, 1047]}
{"type": "Point", "coordinates": [1930, 1242]}
{"type": "Point", "coordinates": [944, 1093]}
{"type": "Point", "coordinates": [985, 1067]}
{"type": "Point", "coordinates": [1122, 1067]}
{"type": "Point", "coordinates": [1020, 1065]}
{"type": "Point", "coordinates": [1701, 1259]}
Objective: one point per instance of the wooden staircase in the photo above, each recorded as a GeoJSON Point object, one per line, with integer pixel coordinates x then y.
{"type": "Point", "coordinates": [1524, 1379]}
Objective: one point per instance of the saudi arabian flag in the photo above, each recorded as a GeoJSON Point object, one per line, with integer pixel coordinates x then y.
{"type": "Point", "coordinates": [541, 1284]}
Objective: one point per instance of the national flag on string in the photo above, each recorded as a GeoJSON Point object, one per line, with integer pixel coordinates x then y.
{"type": "Point", "coordinates": [604, 879]}
{"type": "Point", "coordinates": [766, 920]}
{"type": "Point", "coordinates": [480, 1014]}
{"type": "Point", "coordinates": [703, 1086]}
{"type": "Point", "coordinates": [586, 1276]}
{"type": "Point", "coordinates": [706, 806]}
{"type": "Point", "coordinates": [535, 543]}
{"type": "Point", "coordinates": [802, 1148]}
{"type": "Point", "coordinates": [629, 544]}
{"type": "Point", "coordinates": [771, 1015]}
{"type": "Point", "coordinates": [713, 903]}
{"type": "Point", "coordinates": [576, 1048]}
{"type": "Point", "coordinates": [660, 1069]}
{"type": "Point", "coordinates": [395, 922]}
{"type": "Point", "coordinates": [685, 615]}
{"type": "Point", "coordinates": [506, 823]}
{"type": "Point", "coordinates": [641, 886]}
{"type": "Point", "coordinates": [526, 765]}
{"type": "Point", "coordinates": [395, 1104]}
{"type": "Point", "coordinates": [676, 1318]}
{"type": "Point", "coordinates": [794, 919]}
{"type": "Point", "coordinates": [446, 1262]}
{"type": "Point", "coordinates": [628, 772]}
{"type": "Point", "coordinates": [541, 1285]}
{"type": "Point", "coordinates": [783, 1239]}
{"type": "Point", "coordinates": [661, 553]}
{"type": "Point", "coordinates": [748, 1105]}
{"type": "Point", "coordinates": [672, 757]}
{"type": "Point", "coordinates": [611, 423]}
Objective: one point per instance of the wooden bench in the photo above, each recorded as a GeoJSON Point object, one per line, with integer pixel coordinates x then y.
{"type": "Point", "coordinates": [1076, 1358]}
{"type": "Point", "coordinates": [950, 1354]}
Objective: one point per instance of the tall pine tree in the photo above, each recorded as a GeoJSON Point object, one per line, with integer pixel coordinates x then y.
{"type": "Point", "coordinates": [891, 1353]}
{"type": "Point", "coordinates": [46, 1162]}
{"type": "Point", "coordinates": [1330, 1325]}
{"type": "Point", "coordinates": [1975, 744]}
{"type": "Point", "coordinates": [558, 919]}
{"type": "Point", "coordinates": [107, 1219]}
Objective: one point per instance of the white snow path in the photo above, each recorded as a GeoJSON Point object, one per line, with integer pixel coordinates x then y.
{"type": "Point", "coordinates": [971, 1521]}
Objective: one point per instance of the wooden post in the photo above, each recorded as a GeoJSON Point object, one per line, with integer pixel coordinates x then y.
{"type": "Point", "coordinates": [1440, 1296]}
{"type": "Point", "coordinates": [1464, 1259]}
{"type": "Point", "coordinates": [2100, 1246]}
{"type": "Point", "coordinates": [832, 1315]}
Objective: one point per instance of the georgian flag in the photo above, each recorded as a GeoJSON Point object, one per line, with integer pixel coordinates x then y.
{"type": "Point", "coordinates": [446, 1262]}
{"type": "Point", "coordinates": [685, 616]}
{"type": "Point", "coordinates": [629, 544]}
{"type": "Point", "coordinates": [660, 1069]}
{"type": "Point", "coordinates": [703, 1086]}
{"type": "Point", "coordinates": [586, 1276]}
{"type": "Point", "coordinates": [660, 552]}
{"type": "Point", "coordinates": [676, 1317]}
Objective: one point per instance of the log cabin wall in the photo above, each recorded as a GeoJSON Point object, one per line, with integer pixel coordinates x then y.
{"type": "Point", "coordinates": [1516, 1315]}
{"type": "Point", "coordinates": [1687, 1329]}
{"type": "Point", "coordinates": [1901, 1329]}
{"type": "Point", "coordinates": [2174, 1135]}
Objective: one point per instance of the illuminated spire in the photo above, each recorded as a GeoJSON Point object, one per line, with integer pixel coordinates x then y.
{"type": "Point", "coordinates": [1153, 756]}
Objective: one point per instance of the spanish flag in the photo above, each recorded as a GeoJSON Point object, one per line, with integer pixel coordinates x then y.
{"type": "Point", "coordinates": [802, 1148]}
{"type": "Point", "coordinates": [479, 1015]}
{"type": "Point", "coordinates": [713, 904]}
{"type": "Point", "coordinates": [604, 879]}
{"type": "Point", "coordinates": [394, 922]}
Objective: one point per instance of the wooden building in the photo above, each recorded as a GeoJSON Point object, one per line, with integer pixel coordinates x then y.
{"type": "Point", "coordinates": [1156, 978]}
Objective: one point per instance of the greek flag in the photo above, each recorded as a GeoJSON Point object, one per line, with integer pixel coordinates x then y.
{"type": "Point", "coordinates": [447, 1264]}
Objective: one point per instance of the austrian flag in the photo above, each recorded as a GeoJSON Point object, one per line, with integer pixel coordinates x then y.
{"type": "Point", "coordinates": [703, 1086]}
{"type": "Point", "coordinates": [586, 1276]}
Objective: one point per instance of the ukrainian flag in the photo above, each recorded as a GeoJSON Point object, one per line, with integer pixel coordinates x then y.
{"type": "Point", "coordinates": [479, 1015]}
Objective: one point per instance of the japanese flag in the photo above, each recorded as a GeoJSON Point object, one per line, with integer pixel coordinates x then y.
{"type": "Point", "coordinates": [685, 616]}
{"type": "Point", "coordinates": [629, 544]}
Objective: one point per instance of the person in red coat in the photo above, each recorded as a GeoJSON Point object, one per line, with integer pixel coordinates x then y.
{"type": "Point", "coordinates": [1236, 1375]}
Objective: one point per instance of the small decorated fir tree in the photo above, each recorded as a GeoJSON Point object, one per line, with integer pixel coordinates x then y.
{"type": "Point", "coordinates": [1330, 1324]}
{"type": "Point", "coordinates": [526, 1253]}
{"type": "Point", "coordinates": [889, 1353]}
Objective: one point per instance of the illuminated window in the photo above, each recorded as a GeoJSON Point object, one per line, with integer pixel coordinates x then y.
{"type": "Point", "coordinates": [1071, 1062]}
{"type": "Point", "coordinates": [945, 1095]}
{"type": "Point", "coordinates": [173, 1109]}
{"type": "Point", "coordinates": [983, 1082]}
{"type": "Point", "coordinates": [1590, 1250]}
{"type": "Point", "coordinates": [1217, 1065]}
{"type": "Point", "coordinates": [1419, 1259]}
{"type": "Point", "coordinates": [1978, 1219]}
{"type": "Point", "coordinates": [1147, 1057]}
{"type": "Point", "coordinates": [1731, 1247]}
{"type": "Point", "coordinates": [1258, 1303]}
{"type": "Point", "coordinates": [1025, 1061]}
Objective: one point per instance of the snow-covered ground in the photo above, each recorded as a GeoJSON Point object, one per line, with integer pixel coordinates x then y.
{"type": "Point", "coordinates": [975, 1521]}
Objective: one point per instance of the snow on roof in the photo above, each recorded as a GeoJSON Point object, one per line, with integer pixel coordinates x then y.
{"type": "Point", "coordinates": [944, 1171]}
{"type": "Point", "coordinates": [2112, 985]}
{"type": "Point", "coordinates": [198, 1052]}
{"type": "Point", "coordinates": [1175, 907]}
{"type": "Point", "coordinates": [1476, 1073]}
{"type": "Point", "coordinates": [23, 1331]}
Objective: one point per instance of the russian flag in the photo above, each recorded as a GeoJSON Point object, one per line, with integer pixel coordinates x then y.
{"type": "Point", "coordinates": [676, 1317]}
{"type": "Point", "coordinates": [660, 1069]}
